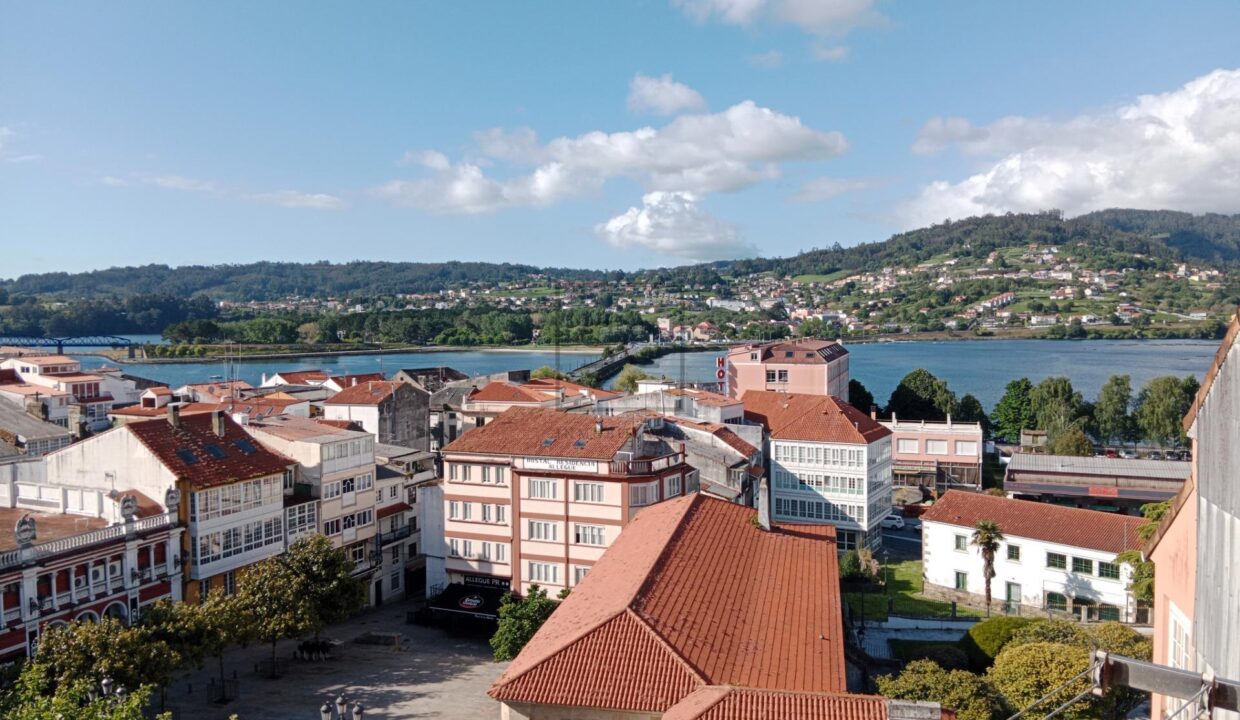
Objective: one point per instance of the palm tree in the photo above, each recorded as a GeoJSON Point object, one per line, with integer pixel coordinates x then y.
{"type": "Point", "coordinates": [986, 538]}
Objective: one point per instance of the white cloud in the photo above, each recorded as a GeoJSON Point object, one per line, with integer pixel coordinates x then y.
{"type": "Point", "coordinates": [717, 152]}
{"type": "Point", "coordinates": [672, 224]}
{"type": "Point", "coordinates": [426, 158]}
{"type": "Point", "coordinates": [179, 182]}
{"type": "Point", "coordinates": [662, 96]}
{"type": "Point", "coordinates": [113, 181]}
{"type": "Point", "coordinates": [820, 17]}
{"type": "Point", "coordinates": [1179, 150]}
{"type": "Point", "coordinates": [295, 199]}
{"type": "Point", "coordinates": [828, 53]}
{"type": "Point", "coordinates": [826, 188]}
{"type": "Point", "coordinates": [772, 59]}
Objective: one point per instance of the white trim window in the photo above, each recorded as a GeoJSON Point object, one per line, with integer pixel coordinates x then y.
{"type": "Point", "coordinates": [672, 485]}
{"type": "Point", "coordinates": [588, 492]}
{"type": "Point", "coordinates": [542, 489]}
{"type": "Point", "coordinates": [541, 530]}
{"type": "Point", "coordinates": [936, 447]}
{"type": "Point", "coordinates": [643, 494]}
{"type": "Point", "coordinates": [907, 446]}
{"type": "Point", "coordinates": [579, 573]}
{"type": "Point", "coordinates": [966, 447]}
{"type": "Point", "coordinates": [544, 572]}
{"type": "Point", "coordinates": [589, 535]}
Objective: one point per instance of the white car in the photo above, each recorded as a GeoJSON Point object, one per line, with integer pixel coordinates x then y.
{"type": "Point", "coordinates": [893, 522]}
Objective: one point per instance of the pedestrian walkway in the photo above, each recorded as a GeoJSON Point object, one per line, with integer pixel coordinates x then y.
{"type": "Point", "coordinates": [431, 674]}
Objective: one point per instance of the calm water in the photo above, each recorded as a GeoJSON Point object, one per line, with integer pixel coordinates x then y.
{"type": "Point", "coordinates": [978, 367]}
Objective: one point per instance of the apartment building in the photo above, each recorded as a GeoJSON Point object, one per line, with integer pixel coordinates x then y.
{"type": "Point", "coordinates": [87, 401]}
{"type": "Point", "coordinates": [28, 434]}
{"type": "Point", "coordinates": [396, 413]}
{"type": "Point", "coordinates": [829, 463]}
{"type": "Point", "coordinates": [230, 487]}
{"type": "Point", "coordinates": [68, 561]}
{"type": "Point", "coordinates": [334, 491]}
{"type": "Point", "coordinates": [410, 517]}
{"type": "Point", "coordinates": [1052, 559]}
{"type": "Point", "coordinates": [936, 455]}
{"type": "Point", "coordinates": [811, 367]}
{"type": "Point", "coordinates": [536, 496]}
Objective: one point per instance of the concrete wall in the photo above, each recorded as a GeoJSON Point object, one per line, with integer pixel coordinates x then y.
{"type": "Point", "coordinates": [521, 711]}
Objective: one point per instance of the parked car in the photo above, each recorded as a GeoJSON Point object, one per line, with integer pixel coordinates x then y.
{"type": "Point", "coordinates": [1128, 454]}
{"type": "Point", "coordinates": [893, 522]}
{"type": "Point", "coordinates": [1112, 454]}
{"type": "Point", "coordinates": [1154, 455]}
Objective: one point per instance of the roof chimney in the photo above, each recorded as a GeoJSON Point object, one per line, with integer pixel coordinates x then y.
{"type": "Point", "coordinates": [354, 384]}
{"type": "Point", "coordinates": [174, 415]}
{"type": "Point", "coordinates": [873, 412]}
{"type": "Point", "coordinates": [217, 422]}
{"type": "Point", "coordinates": [598, 425]}
{"type": "Point", "coordinates": [764, 505]}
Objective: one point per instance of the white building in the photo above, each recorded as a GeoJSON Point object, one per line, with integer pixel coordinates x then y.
{"type": "Point", "coordinates": [82, 397]}
{"type": "Point", "coordinates": [1052, 558]}
{"type": "Point", "coordinates": [830, 463]}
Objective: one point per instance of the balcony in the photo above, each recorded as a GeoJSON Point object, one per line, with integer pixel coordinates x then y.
{"type": "Point", "coordinates": [647, 466]}
{"type": "Point", "coordinates": [392, 536]}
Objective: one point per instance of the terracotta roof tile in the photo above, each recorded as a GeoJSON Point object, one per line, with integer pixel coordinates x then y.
{"type": "Point", "coordinates": [795, 352]}
{"type": "Point", "coordinates": [572, 388]}
{"type": "Point", "coordinates": [303, 377]}
{"type": "Point", "coordinates": [1108, 532]}
{"type": "Point", "coordinates": [511, 393]}
{"type": "Point", "coordinates": [703, 397]}
{"type": "Point", "coordinates": [718, 702]}
{"type": "Point", "coordinates": [813, 418]}
{"type": "Point", "coordinates": [731, 603]}
{"type": "Point", "coordinates": [525, 431]}
{"type": "Point", "coordinates": [173, 445]}
{"type": "Point", "coordinates": [359, 378]}
{"type": "Point", "coordinates": [367, 393]}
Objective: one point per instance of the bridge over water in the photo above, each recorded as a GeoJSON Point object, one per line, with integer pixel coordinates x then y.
{"type": "Point", "coordinates": [60, 343]}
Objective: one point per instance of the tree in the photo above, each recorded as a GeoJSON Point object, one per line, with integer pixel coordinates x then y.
{"type": "Point", "coordinates": [628, 378]}
{"type": "Point", "coordinates": [519, 619]}
{"type": "Point", "coordinates": [329, 591]}
{"type": "Point", "coordinates": [272, 599]}
{"type": "Point", "coordinates": [1161, 407]}
{"type": "Point", "coordinates": [859, 397]}
{"type": "Point", "coordinates": [36, 696]}
{"type": "Point", "coordinates": [1071, 441]}
{"type": "Point", "coordinates": [971, 696]}
{"type": "Point", "coordinates": [1014, 411]}
{"type": "Point", "coordinates": [1024, 674]}
{"type": "Point", "coordinates": [971, 410]}
{"type": "Point", "coordinates": [1111, 411]}
{"type": "Point", "coordinates": [986, 538]}
{"type": "Point", "coordinates": [985, 640]}
{"type": "Point", "coordinates": [547, 372]}
{"type": "Point", "coordinates": [84, 651]}
{"type": "Point", "coordinates": [226, 623]}
{"type": "Point", "coordinates": [1069, 632]}
{"type": "Point", "coordinates": [1055, 404]}
{"type": "Point", "coordinates": [921, 396]}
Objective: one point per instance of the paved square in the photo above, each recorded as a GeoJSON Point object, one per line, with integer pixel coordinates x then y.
{"type": "Point", "coordinates": [435, 674]}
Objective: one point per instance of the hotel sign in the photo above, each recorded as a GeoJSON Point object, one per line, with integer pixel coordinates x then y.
{"type": "Point", "coordinates": [562, 465]}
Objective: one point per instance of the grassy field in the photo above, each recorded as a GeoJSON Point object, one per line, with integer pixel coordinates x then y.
{"type": "Point", "coordinates": [904, 584]}
{"type": "Point", "coordinates": [838, 274]}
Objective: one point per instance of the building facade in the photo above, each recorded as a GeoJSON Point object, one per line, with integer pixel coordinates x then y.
{"type": "Point", "coordinates": [1095, 483]}
{"type": "Point", "coordinates": [936, 455]}
{"type": "Point", "coordinates": [811, 367]}
{"type": "Point", "coordinates": [1052, 559]}
{"type": "Point", "coordinates": [396, 413]}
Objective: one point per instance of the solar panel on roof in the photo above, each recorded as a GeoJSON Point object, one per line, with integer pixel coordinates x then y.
{"type": "Point", "coordinates": [187, 456]}
{"type": "Point", "coordinates": [244, 446]}
{"type": "Point", "coordinates": [548, 442]}
{"type": "Point", "coordinates": [215, 451]}
{"type": "Point", "coordinates": [580, 444]}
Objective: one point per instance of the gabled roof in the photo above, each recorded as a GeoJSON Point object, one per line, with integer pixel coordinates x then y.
{"type": "Point", "coordinates": [813, 418]}
{"type": "Point", "coordinates": [303, 377]}
{"type": "Point", "coordinates": [345, 381]}
{"type": "Point", "coordinates": [544, 432]}
{"type": "Point", "coordinates": [719, 430]}
{"type": "Point", "coordinates": [1105, 532]}
{"type": "Point", "coordinates": [794, 352]}
{"type": "Point", "coordinates": [691, 594]}
{"type": "Point", "coordinates": [572, 388]}
{"type": "Point", "coordinates": [725, 702]}
{"type": "Point", "coordinates": [187, 451]}
{"type": "Point", "coordinates": [510, 393]}
{"type": "Point", "coordinates": [368, 393]}
{"type": "Point", "coordinates": [704, 397]}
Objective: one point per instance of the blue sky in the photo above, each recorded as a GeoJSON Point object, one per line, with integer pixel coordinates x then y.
{"type": "Point", "coordinates": [611, 135]}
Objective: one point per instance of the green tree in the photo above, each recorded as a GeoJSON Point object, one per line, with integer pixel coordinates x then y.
{"type": "Point", "coordinates": [84, 651]}
{"type": "Point", "coordinates": [859, 397]}
{"type": "Point", "coordinates": [971, 410]}
{"type": "Point", "coordinates": [1111, 412]}
{"type": "Point", "coordinates": [519, 619]}
{"type": "Point", "coordinates": [1014, 411]}
{"type": "Point", "coordinates": [1161, 407]}
{"type": "Point", "coordinates": [1069, 632]}
{"type": "Point", "coordinates": [812, 328]}
{"type": "Point", "coordinates": [986, 538]}
{"type": "Point", "coordinates": [629, 377]}
{"type": "Point", "coordinates": [921, 396]}
{"type": "Point", "coordinates": [271, 597]}
{"type": "Point", "coordinates": [36, 696]}
{"type": "Point", "coordinates": [329, 592]}
{"type": "Point", "coordinates": [1070, 441]}
{"type": "Point", "coordinates": [986, 639]}
{"type": "Point", "coordinates": [1024, 674]}
{"type": "Point", "coordinates": [546, 372]}
{"type": "Point", "coordinates": [1055, 404]}
{"type": "Point", "coordinates": [971, 696]}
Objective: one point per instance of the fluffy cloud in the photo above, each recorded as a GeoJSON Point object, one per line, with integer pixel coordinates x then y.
{"type": "Point", "coordinates": [179, 182]}
{"type": "Point", "coordinates": [1178, 150]}
{"type": "Point", "coordinates": [672, 224]}
{"type": "Point", "coordinates": [825, 188]}
{"type": "Point", "coordinates": [662, 96]}
{"type": "Point", "coordinates": [820, 17]}
{"type": "Point", "coordinates": [718, 152]}
{"type": "Point", "coordinates": [295, 199]}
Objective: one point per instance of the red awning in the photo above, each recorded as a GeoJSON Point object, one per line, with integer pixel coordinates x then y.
{"type": "Point", "coordinates": [392, 510]}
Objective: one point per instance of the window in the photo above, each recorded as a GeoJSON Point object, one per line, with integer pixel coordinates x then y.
{"type": "Point", "coordinates": [454, 547]}
{"type": "Point", "coordinates": [365, 517]}
{"type": "Point", "coordinates": [1107, 570]}
{"type": "Point", "coordinates": [501, 514]}
{"type": "Point", "coordinates": [1179, 647]}
{"type": "Point", "coordinates": [962, 581]}
{"type": "Point", "coordinates": [1083, 566]}
{"type": "Point", "coordinates": [1056, 601]}
{"type": "Point", "coordinates": [936, 447]}
{"type": "Point", "coordinates": [589, 492]}
{"type": "Point", "coordinates": [770, 376]}
{"type": "Point", "coordinates": [467, 511]}
{"type": "Point", "coordinates": [1056, 561]}
{"type": "Point", "coordinates": [589, 535]}
{"type": "Point", "coordinates": [966, 447]}
{"type": "Point", "coordinates": [1108, 613]}
{"type": "Point", "coordinates": [1013, 552]}
{"type": "Point", "coordinates": [907, 446]}
{"type": "Point", "coordinates": [579, 573]}
{"type": "Point", "coordinates": [454, 510]}
{"type": "Point", "coordinates": [672, 486]}
{"type": "Point", "coordinates": [544, 572]}
{"type": "Point", "coordinates": [500, 551]}
{"type": "Point", "coordinates": [540, 530]}
{"type": "Point", "coordinates": [230, 583]}
{"type": "Point", "coordinates": [486, 474]}
{"type": "Point", "coordinates": [465, 473]}
{"type": "Point", "coordinates": [643, 494]}
{"type": "Point", "coordinates": [331, 490]}
{"type": "Point", "coordinates": [452, 471]}
{"type": "Point", "coordinates": [331, 527]}
{"type": "Point", "coordinates": [486, 513]}
{"type": "Point", "coordinates": [542, 489]}
{"type": "Point", "coordinates": [783, 376]}
{"type": "Point", "coordinates": [962, 543]}
{"type": "Point", "coordinates": [847, 539]}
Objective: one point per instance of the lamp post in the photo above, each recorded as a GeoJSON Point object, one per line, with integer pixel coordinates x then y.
{"type": "Point", "coordinates": [341, 706]}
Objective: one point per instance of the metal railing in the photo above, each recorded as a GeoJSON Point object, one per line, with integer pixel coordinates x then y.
{"type": "Point", "coordinates": [392, 536]}
{"type": "Point", "coordinates": [645, 467]}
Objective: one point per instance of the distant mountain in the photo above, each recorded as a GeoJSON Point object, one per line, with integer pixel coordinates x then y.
{"type": "Point", "coordinates": [1165, 235]}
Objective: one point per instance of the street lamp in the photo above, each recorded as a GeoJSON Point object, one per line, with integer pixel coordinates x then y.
{"type": "Point", "coordinates": [342, 710]}
{"type": "Point", "coordinates": [325, 712]}
{"type": "Point", "coordinates": [341, 705]}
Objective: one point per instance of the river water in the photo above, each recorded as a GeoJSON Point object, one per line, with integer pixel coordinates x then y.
{"type": "Point", "coordinates": [981, 367]}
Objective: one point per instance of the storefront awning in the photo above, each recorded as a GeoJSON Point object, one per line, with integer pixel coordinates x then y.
{"type": "Point", "coordinates": [480, 602]}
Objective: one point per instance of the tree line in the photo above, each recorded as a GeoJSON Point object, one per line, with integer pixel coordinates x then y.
{"type": "Point", "coordinates": [142, 313]}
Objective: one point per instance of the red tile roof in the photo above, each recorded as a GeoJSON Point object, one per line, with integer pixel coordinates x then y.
{"type": "Point", "coordinates": [510, 393]}
{"type": "Point", "coordinates": [813, 418]}
{"type": "Point", "coordinates": [195, 433]}
{"type": "Point", "coordinates": [723, 702]}
{"type": "Point", "coordinates": [793, 352]}
{"type": "Point", "coordinates": [691, 594]}
{"type": "Point", "coordinates": [367, 393]}
{"type": "Point", "coordinates": [525, 431]}
{"type": "Point", "coordinates": [345, 381]}
{"type": "Point", "coordinates": [703, 397]}
{"type": "Point", "coordinates": [1108, 532]}
{"type": "Point", "coordinates": [719, 430]}
{"type": "Point", "coordinates": [572, 388]}
{"type": "Point", "coordinates": [303, 377]}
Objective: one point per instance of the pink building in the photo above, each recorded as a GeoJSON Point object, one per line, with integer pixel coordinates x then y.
{"type": "Point", "coordinates": [808, 367]}
{"type": "Point", "coordinates": [936, 455]}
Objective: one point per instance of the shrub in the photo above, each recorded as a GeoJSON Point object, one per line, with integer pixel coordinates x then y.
{"type": "Point", "coordinates": [851, 569]}
{"type": "Point", "coordinates": [971, 696]}
{"type": "Point", "coordinates": [986, 639]}
{"type": "Point", "coordinates": [945, 656]}
{"type": "Point", "coordinates": [1067, 632]}
{"type": "Point", "coordinates": [1024, 674]}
